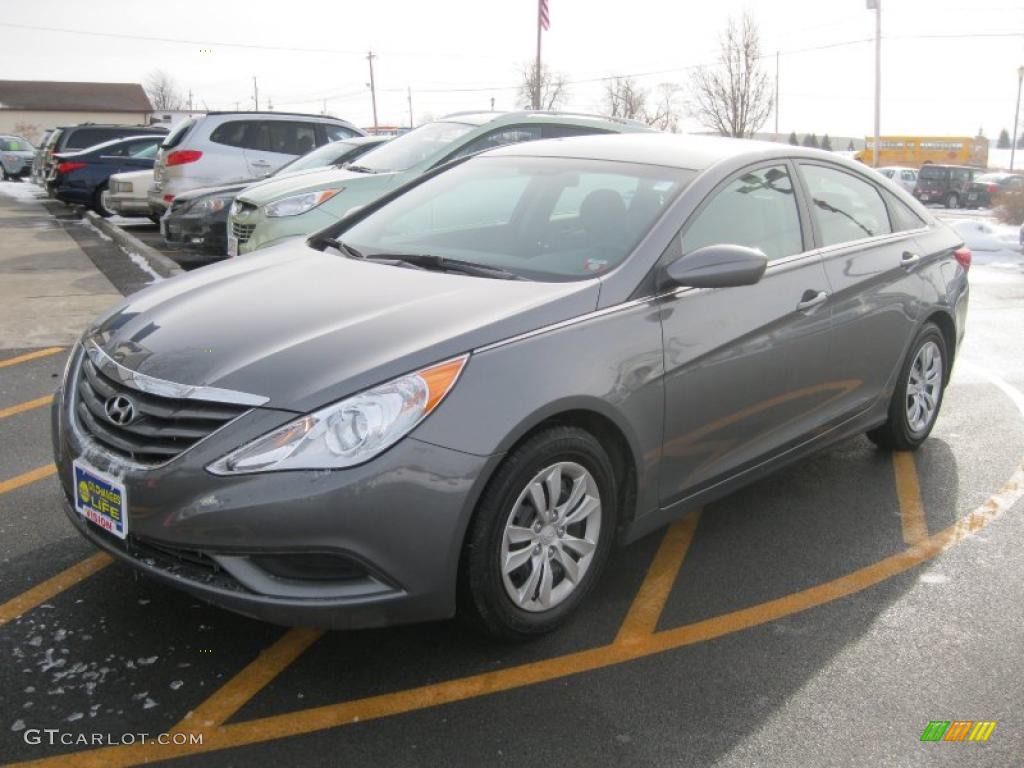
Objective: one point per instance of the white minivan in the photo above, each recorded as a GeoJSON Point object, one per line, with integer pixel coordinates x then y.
{"type": "Point", "coordinates": [222, 147]}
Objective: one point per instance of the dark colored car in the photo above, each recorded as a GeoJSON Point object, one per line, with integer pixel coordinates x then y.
{"type": "Point", "coordinates": [470, 387]}
{"type": "Point", "coordinates": [77, 137]}
{"type": "Point", "coordinates": [197, 220]}
{"type": "Point", "coordinates": [945, 184]}
{"type": "Point", "coordinates": [984, 192]}
{"type": "Point", "coordinates": [82, 177]}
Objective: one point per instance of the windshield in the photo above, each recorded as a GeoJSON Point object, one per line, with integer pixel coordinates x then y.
{"type": "Point", "coordinates": [15, 145]}
{"type": "Point", "coordinates": [931, 172]}
{"type": "Point", "coordinates": [552, 219]}
{"type": "Point", "coordinates": [412, 148]}
{"type": "Point", "coordinates": [320, 157]}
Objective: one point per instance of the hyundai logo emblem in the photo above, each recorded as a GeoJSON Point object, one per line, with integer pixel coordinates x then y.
{"type": "Point", "coordinates": [120, 410]}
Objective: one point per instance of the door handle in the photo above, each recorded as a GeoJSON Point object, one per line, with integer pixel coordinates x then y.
{"type": "Point", "coordinates": [909, 259]}
{"type": "Point", "coordinates": [811, 299]}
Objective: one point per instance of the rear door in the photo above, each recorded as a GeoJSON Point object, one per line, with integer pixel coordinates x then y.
{"type": "Point", "coordinates": [746, 368]}
{"type": "Point", "coordinates": [272, 143]}
{"type": "Point", "coordinates": [871, 259]}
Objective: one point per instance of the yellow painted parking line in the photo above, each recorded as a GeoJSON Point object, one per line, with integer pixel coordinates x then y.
{"type": "Point", "coordinates": [472, 686]}
{"type": "Point", "coordinates": [48, 589]}
{"type": "Point", "coordinates": [912, 519]}
{"type": "Point", "coordinates": [233, 695]}
{"type": "Point", "coordinates": [30, 356]}
{"type": "Point", "coordinates": [27, 478]}
{"type": "Point", "coordinates": [649, 602]}
{"type": "Point", "coordinates": [39, 402]}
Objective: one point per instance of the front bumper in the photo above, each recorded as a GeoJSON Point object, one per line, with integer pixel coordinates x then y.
{"type": "Point", "coordinates": [399, 520]}
{"type": "Point", "coordinates": [255, 230]}
{"type": "Point", "coordinates": [198, 232]}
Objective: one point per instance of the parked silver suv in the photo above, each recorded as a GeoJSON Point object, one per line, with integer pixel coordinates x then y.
{"type": "Point", "coordinates": [221, 147]}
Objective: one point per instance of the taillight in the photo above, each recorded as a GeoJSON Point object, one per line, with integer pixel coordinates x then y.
{"type": "Point", "coordinates": [963, 257]}
{"type": "Point", "coordinates": [991, 188]}
{"type": "Point", "coordinates": [182, 156]}
{"type": "Point", "coordinates": [69, 167]}
{"type": "Point", "coordinates": [168, 199]}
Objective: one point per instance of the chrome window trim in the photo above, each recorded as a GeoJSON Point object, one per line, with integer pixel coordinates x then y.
{"type": "Point", "coordinates": [162, 387]}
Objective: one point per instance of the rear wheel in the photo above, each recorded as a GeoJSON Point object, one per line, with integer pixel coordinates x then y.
{"type": "Point", "coordinates": [915, 403]}
{"type": "Point", "coordinates": [540, 536]}
{"type": "Point", "coordinates": [952, 200]}
{"type": "Point", "coordinates": [99, 202]}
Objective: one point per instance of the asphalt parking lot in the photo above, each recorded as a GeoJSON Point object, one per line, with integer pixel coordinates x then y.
{"type": "Point", "coordinates": [823, 616]}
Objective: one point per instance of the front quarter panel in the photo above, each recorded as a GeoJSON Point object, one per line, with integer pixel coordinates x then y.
{"type": "Point", "coordinates": [609, 363]}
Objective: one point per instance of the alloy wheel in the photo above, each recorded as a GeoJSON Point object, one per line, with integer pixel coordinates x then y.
{"type": "Point", "coordinates": [924, 387]}
{"type": "Point", "coordinates": [550, 536]}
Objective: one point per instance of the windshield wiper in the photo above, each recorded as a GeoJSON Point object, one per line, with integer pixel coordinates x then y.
{"type": "Point", "coordinates": [345, 248]}
{"type": "Point", "coordinates": [359, 169]}
{"type": "Point", "coordinates": [445, 264]}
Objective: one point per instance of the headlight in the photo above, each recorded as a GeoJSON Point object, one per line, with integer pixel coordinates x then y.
{"type": "Point", "coordinates": [209, 204]}
{"type": "Point", "coordinates": [236, 207]}
{"type": "Point", "coordinates": [296, 204]}
{"type": "Point", "coordinates": [351, 431]}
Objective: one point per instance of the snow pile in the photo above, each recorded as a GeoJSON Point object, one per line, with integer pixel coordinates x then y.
{"type": "Point", "coordinates": [990, 242]}
{"type": "Point", "coordinates": [21, 191]}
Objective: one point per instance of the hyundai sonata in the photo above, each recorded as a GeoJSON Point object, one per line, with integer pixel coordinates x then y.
{"type": "Point", "coordinates": [463, 393]}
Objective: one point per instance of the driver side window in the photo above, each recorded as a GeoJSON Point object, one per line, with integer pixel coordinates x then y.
{"type": "Point", "coordinates": [757, 210]}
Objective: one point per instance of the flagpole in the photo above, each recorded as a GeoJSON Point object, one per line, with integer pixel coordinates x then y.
{"type": "Point", "coordinates": [537, 77]}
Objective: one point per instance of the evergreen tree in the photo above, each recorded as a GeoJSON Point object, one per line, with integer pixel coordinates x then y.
{"type": "Point", "coordinates": [811, 140]}
{"type": "Point", "coordinates": [826, 143]}
{"type": "Point", "coordinates": [793, 139]}
{"type": "Point", "coordinates": [1004, 139]}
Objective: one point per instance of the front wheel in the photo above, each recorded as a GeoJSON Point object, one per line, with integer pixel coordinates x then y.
{"type": "Point", "coordinates": [100, 202]}
{"type": "Point", "coordinates": [915, 403]}
{"type": "Point", "coordinates": [541, 534]}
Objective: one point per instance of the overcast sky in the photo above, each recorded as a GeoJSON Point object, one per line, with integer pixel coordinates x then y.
{"type": "Point", "coordinates": [931, 85]}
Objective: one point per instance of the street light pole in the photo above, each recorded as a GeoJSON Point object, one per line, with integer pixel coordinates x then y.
{"type": "Point", "coordinates": [370, 56]}
{"type": "Point", "coordinates": [876, 6]}
{"type": "Point", "coordinates": [1016, 115]}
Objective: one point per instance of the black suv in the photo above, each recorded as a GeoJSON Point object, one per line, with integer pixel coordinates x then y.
{"type": "Point", "coordinates": [946, 184]}
{"type": "Point", "coordinates": [71, 138]}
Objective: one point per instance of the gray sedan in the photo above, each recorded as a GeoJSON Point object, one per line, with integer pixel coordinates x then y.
{"type": "Point", "coordinates": [462, 394]}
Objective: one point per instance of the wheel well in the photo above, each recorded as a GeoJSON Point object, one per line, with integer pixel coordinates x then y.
{"type": "Point", "coordinates": [612, 440]}
{"type": "Point", "coordinates": [948, 328]}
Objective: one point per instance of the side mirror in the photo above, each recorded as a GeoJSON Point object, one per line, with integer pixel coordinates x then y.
{"type": "Point", "coordinates": [718, 266]}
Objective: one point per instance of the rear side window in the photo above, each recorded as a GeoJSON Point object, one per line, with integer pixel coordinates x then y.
{"type": "Point", "coordinates": [236, 133]}
{"type": "Point", "coordinates": [757, 210]}
{"type": "Point", "coordinates": [88, 137]}
{"type": "Point", "coordinates": [845, 207]}
{"type": "Point", "coordinates": [337, 132]}
{"type": "Point", "coordinates": [903, 217]}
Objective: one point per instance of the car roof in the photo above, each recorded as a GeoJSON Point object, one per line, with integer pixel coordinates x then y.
{"type": "Point", "coordinates": [691, 152]}
{"type": "Point", "coordinates": [541, 116]}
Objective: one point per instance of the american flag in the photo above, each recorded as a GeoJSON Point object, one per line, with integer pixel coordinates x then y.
{"type": "Point", "coordinates": [545, 19]}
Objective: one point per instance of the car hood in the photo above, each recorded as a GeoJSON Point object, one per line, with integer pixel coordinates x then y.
{"type": "Point", "coordinates": [304, 328]}
{"type": "Point", "coordinates": [288, 184]}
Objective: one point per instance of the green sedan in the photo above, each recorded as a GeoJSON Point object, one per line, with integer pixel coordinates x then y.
{"type": "Point", "coordinates": [272, 211]}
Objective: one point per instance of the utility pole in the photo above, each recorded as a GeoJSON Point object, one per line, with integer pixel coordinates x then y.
{"type": "Point", "coordinates": [411, 123]}
{"type": "Point", "coordinates": [492, 103]}
{"type": "Point", "coordinates": [876, 6]}
{"type": "Point", "coordinates": [1016, 114]}
{"type": "Point", "coordinates": [255, 94]}
{"type": "Point", "coordinates": [776, 95]}
{"type": "Point", "coordinates": [189, 99]}
{"type": "Point", "coordinates": [536, 72]}
{"type": "Point", "coordinates": [373, 89]}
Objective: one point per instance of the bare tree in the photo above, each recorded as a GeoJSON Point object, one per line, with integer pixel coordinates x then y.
{"type": "Point", "coordinates": [163, 91]}
{"type": "Point", "coordinates": [664, 115]}
{"type": "Point", "coordinates": [550, 90]}
{"type": "Point", "coordinates": [623, 97]}
{"type": "Point", "coordinates": [734, 97]}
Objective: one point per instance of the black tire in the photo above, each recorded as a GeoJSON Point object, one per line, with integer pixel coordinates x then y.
{"type": "Point", "coordinates": [896, 434]}
{"type": "Point", "coordinates": [97, 202]}
{"type": "Point", "coordinates": [482, 594]}
{"type": "Point", "coordinates": [952, 200]}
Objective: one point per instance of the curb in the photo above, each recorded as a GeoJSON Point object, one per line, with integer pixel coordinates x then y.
{"type": "Point", "coordinates": [160, 264]}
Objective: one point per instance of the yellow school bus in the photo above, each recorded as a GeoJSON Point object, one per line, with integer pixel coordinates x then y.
{"type": "Point", "coordinates": [915, 151]}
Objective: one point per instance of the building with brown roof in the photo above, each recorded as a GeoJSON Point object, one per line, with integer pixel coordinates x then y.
{"type": "Point", "coordinates": [29, 107]}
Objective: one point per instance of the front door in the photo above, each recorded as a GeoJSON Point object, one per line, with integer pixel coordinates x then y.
{"type": "Point", "coordinates": [746, 369]}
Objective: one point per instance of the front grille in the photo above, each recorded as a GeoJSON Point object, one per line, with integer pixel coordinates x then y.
{"type": "Point", "coordinates": [242, 231]}
{"type": "Point", "coordinates": [162, 428]}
